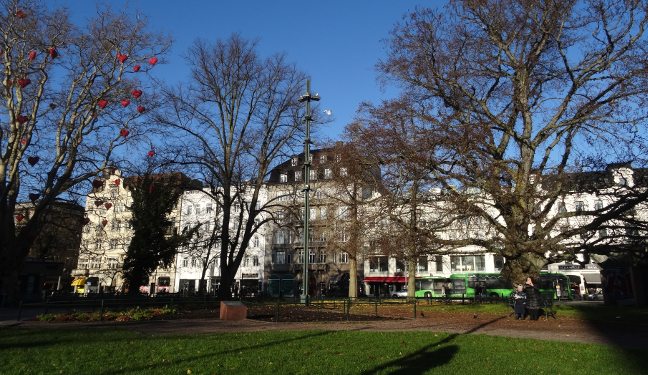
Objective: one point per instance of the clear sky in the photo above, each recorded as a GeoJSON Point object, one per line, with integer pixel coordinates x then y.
{"type": "Point", "coordinates": [336, 42]}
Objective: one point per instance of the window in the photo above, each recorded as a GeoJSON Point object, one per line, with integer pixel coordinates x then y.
{"type": "Point", "coordinates": [209, 208]}
{"type": "Point", "coordinates": [293, 162]}
{"type": "Point", "coordinates": [321, 257]}
{"type": "Point", "coordinates": [185, 262]}
{"type": "Point", "coordinates": [313, 213]}
{"type": "Point", "coordinates": [313, 174]}
{"type": "Point", "coordinates": [499, 262]}
{"type": "Point", "coordinates": [164, 281]}
{"type": "Point", "coordinates": [298, 175]}
{"type": "Point", "coordinates": [255, 260]}
{"type": "Point", "coordinates": [343, 172]}
{"type": "Point", "coordinates": [344, 257]}
{"type": "Point", "coordinates": [378, 264]}
{"type": "Point", "coordinates": [598, 205]}
{"type": "Point", "coordinates": [328, 173]}
{"type": "Point", "coordinates": [255, 241]}
{"type": "Point", "coordinates": [460, 263]}
{"type": "Point", "coordinates": [580, 206]}
{"type": "Point", "coordinates": [323, 158]}
{"type": "Point", "coordinates": [188, 209]}
{"type": "Point", "coordinates": [311, 256]}
{"type": "Point", "coordinates": [623, 181]}
{"type": "Point", "coordinates": [283, 177]}
{"type": "Point", "coordinates": [422, 264]}
{"type": "Point", "coordinates": [193, 262]}
{"type": "Point", "coordinates": [83, 264]}
{"type": "Point", "coordinates": [279, 257]}
{"type": "Point", "coordinates": [562, 208]}
{"type": "Point", "coordinates": [113, 243]}
{"type": "Point", "coordinates": [438, 261]}
{"type": "Point", "coordinates": [342, 212]}
{"type": "Point", "coordinates": [400, 265]}
{"type": "Point", "coordinates": [246, 261]}
{"type": "Point", "coordinates": [197, 209]}
{"type": "Point", "coordinates": [113, 263]}
{"type": "Point", "coordinates": [323, 212]}
{"type": "Point", "coordinates": [602, 233]}
{"type": "Point", "coordinates": [338, 157]}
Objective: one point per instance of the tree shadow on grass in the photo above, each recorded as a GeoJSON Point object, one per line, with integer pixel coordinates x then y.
{"type": "Point", "coordinates": [623, 327]}
{"type": "Point", "coordinates": [138, 369]}
{"type": "Point", "coordinates": [426, 358]}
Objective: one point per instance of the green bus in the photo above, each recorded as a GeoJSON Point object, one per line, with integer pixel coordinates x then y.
{"type": "Point", "coordinates": [470, 285]}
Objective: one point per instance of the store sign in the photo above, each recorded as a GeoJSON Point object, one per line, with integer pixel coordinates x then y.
{"type": "Point", "coordinates": [570, 267]}
{"type": "Point", "coordinates": [250, 275]}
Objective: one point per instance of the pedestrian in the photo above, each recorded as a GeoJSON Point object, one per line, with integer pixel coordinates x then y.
{"type": "Point", "coordinates": [533, 299]}
{"type": "Point", "coordinates": [519, 302]}
{"type": "Point", "coordinates": [558, 291]}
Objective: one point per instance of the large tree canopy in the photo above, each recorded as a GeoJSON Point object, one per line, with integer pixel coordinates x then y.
{"type": "Point", "coordinates": [60, 115]}
{"type": "Point", "coordinates": [236, 118]}
{"type": "Point", "coordinates": [522, 98]}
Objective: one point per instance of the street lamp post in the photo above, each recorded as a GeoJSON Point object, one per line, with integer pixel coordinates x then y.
{"type": "Point", "coordinates": [307, 164]}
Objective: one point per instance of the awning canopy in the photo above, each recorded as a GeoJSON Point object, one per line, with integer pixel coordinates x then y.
{"type": "Point", "coordinates": [385, 279]}
{"type": "Point", "coordinates": [79, 281]}
{"type": "Point", "coordinates": [592, 278]}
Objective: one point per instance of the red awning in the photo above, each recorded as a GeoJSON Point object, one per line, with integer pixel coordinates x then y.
{"type": "Point", "coordinates": [385, 279]}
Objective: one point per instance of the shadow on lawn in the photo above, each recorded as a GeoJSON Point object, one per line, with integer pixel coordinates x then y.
{"type": "Point", "coordinates": [428, 357]}
{"type": "Point", "coordinates": [137, 369]}
{"type": "Point", "coordinates": [624, 327]}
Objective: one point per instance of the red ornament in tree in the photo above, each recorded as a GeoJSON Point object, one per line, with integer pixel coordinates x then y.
{"type": "Point", "coordinates": [117, 181]}
{"type": "Point", "coordinates": [23, 82]}
{"type": "Point", "coordinates": [52, 52]}
{"type": "Point", "coordinates": [136, 68]}
{"type": "Point", "coordinates": [32, 160]}
{"type": "Point", "coordinates": [108, 205]}
{"type": "Point", "coordinates": [136, 93]}
{"type": "Point", "coordinates": [102, 103]}
{"type": "Point", "coordinates": [32, 55]}
{"type": "Point", "coordinates": [22, 119]}
{"type": "Point", "coordinates": [141, 109]}
{"type": "Point", "coordinates": [98, 202]}
{"type": "Point", "coordinates": [20, 217]}
{"type": "Point", "coordinates": [125, 102]}
{"type": "Point", "coordinates": [122, 58]}
{"type": "Point", "coordinates": [124, 132]}
{"type": "Point", "coordinates": [151, 153]}
{"type": "Point", "coordinates": [23, 141]}
{"type": "Point", "coordinates": [153, 60]}
{"type": "Point", "coordinates": [34, 197]}
{"type": "Point", "coordinates": [104, 222]}
{"type": "Point", "coordinates": [20, 13]}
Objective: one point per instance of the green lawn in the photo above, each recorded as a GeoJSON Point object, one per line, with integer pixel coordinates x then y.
{"type": "Point", "coordinates": [112, 351]}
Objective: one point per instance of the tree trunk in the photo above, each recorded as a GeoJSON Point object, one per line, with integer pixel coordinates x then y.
{"type": "Point", "coordinates": [353, 277]}
{"type": "Point", "coordinates": [411, 278]}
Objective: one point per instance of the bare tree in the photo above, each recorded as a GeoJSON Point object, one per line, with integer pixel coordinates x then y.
{"type": "Point", "coordinates": [238, 116]}
{"type": "Point", "coordinates": [61, 89]}
{"type": "Point", "coordinates": [412, 213]}
{"type": "Point", "coordinates": [528, 96]}
{"type": "Point", "coordinates": [350, 185]}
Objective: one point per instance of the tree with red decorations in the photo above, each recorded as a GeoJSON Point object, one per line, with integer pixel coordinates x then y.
{"type": "Point", "coordinates": [60, 118]}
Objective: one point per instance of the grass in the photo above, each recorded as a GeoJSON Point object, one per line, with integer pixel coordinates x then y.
{"type": "Point", "coordinates": [119, 351]}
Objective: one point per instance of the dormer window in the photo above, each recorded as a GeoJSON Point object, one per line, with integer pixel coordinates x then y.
{"type": "Point", "coordinates": [323, 158]}
{"type": "Point", "coordinates": [338, 157]}
{"type": "Point", "coordinates": [293, 162]}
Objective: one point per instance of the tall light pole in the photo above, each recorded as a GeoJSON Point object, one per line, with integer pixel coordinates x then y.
{"type": "Point", "coordinates": [307, 164]}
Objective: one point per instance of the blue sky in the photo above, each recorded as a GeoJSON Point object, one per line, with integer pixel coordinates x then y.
{"type": "Point", "coordinates": [336, 42]}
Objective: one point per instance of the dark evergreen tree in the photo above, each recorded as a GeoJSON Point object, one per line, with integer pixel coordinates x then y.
{"type": "Point", "coordinates": [155, 242]}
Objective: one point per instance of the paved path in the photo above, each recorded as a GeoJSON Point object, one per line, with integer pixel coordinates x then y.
{"type": "Point", "coordinates": [491, 325]}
